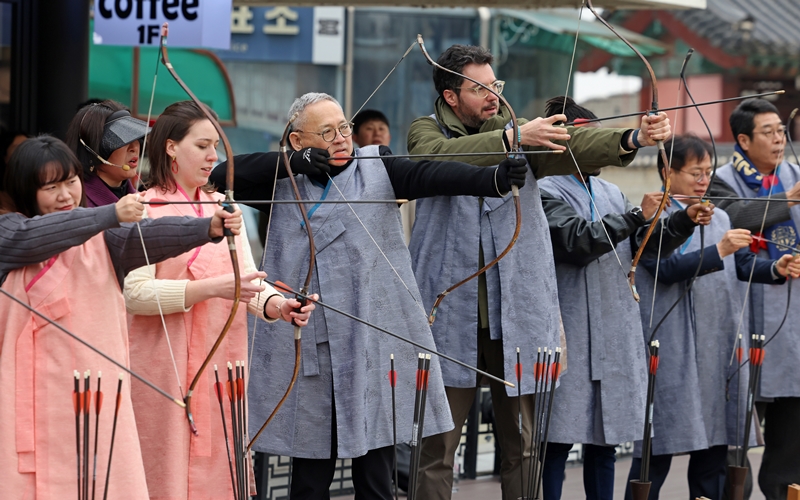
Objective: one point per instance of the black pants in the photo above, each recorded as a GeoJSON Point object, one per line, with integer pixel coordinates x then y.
{"type": "Point", "coordinates": [706, 474]}
{"type": "Point", "coordinates": [372, 474]}
{"type": "Point", "coordinates": [780, 465]}
{"type": "Point", "coordinates": [598, 471]}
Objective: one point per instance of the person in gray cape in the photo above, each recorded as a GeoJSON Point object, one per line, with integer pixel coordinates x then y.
{"type": "Point", "coordinates": [341, 405]}
{"type": "Point", "coordinates": [594, 231]}
{"type": "Point", "coordinates": [695, 409]}
{"type": "Point", "coordinates": [760, 142]}
{"type": "Point", "coordinates": [453, 237]}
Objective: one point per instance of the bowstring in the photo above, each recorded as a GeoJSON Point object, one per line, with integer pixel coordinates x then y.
{"type": "Point", "coordinates": [386, 258]}
{"type": "Point", "coordinates": [664, 221]}
{"type": "Point", "coordinates": [150, 269]}
{"type": "Point", "coordinates": [593, 205]}
{"type": "Point", "coordinates": [263, 263]}
{"type": "Point", "coordinates": [408, 50]}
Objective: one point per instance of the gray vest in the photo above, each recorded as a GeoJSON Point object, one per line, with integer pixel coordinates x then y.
{"type": "Point", "coordinates": [690, 411]}
{"type": "Point", "coordinates": [768, 303]}
{"type": "Point", "coordinates": [602, 396]}
{"type": "Point", "coordinates": [717, 300]}
{"type": "Point", "coordinates": [343, 361]}
{"type": "Point", "coordinates": [523, 299]}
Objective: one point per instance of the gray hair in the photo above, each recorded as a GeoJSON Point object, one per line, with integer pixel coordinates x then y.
{"type": "Point", "coordinates": [300, 104]}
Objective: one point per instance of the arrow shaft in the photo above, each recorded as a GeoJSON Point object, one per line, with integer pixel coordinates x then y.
{"type": "Point", "coordinates": [279, 286]}
{"type": "Point", "coordinates": [93, 348]}
{"type": "Point", "coordinates": [273, 202]}
{"type": "Point", "coordinates": [683, 106]}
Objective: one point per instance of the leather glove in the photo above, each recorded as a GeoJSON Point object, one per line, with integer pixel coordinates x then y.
{"type": "Point", "coordinates": [510, 172]}
{"type": "Point", "coordinates": [310, 161]}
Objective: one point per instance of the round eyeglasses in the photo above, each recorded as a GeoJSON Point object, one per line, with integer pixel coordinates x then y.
{"type": "Point", "coordinates": [329, 134]}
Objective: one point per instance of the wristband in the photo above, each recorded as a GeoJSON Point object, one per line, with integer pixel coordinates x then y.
{"type": "Point", "coordinates": [635, 140]}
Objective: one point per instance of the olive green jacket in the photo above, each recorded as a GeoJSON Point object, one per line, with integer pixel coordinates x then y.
{"type": "Point", "coordinates": [593, 147]}
{"type": "Point", "coordinates": [453, 236]}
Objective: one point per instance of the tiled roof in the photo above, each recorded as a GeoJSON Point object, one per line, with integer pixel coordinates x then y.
{"type": "Point", "coordinates": [775, 26]}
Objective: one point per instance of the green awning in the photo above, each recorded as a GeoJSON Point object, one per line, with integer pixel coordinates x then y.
{"type": "Point", "coordinates": [111, 77]}
{"type": "Point", "coordinates": [557, 30]}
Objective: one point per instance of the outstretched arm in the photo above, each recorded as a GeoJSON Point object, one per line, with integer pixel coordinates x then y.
{"type": "Point", "coordinates": [25, 241]}
{"type": "Point", "coordinates": [421, 179]}
{"type": "Point", "coordinates": [578, 241]}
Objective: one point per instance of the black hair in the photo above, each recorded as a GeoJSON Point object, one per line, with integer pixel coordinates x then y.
{"type": "Point", "coordinates": [571, 109]}
{"type": "Point", "coordinates": [89, 124]}
{"type": "Point", "coordinates": [6, 138]}
{"type": "Point", "coordinates": [454, 59]}
{"type": "Point", "coordinates": [742, 118]}
{"type": "Point", "coordinates": [35, 163]}
{"type": "Point", "coordinates": [683, 149]}
{"type": "Point", "coordinates": [368, 115]}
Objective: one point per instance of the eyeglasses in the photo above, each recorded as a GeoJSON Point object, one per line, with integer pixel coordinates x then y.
{"type": "Point", "coordinates": [481, 92]}
{"type": "Point", "coordinates": [781, 131]}
{"type": "Point", "coordinates": [329, 134]}
{"type": "Point", "coordinates": [698, 176]}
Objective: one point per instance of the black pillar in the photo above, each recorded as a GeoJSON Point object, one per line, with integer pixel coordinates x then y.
{"type": "Point", "coordinates": [61, 63]}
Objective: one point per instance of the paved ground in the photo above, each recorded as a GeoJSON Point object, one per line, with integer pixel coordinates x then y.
{"type": "Point", "coordinates": [488, 488]}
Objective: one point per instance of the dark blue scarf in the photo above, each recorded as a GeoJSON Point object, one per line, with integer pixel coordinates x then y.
{"type": "Point", "coordinates": [766, 185]}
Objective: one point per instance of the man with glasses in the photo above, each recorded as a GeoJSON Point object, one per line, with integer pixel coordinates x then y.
{"type": "Point", "coordinates": [341, 406]}
{"type": "Point", "coordinates": [696, 409]}
{"type": "Point", "coordinates": [758, 170]}
{"type": "Point", "coordinates": [595, 230]}
{"type": "Point", "coordinates": [453, 237]}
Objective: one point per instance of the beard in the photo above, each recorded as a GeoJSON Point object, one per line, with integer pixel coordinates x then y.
{"type": "Point", "coordinates": [474, 119]}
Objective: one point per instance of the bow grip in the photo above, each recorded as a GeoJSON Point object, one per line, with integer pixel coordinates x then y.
{"type": "Point", "coordinates": [659, 144]}
{"type": "Point", "coordinates": [228, 208]}
{"type": "Point", "coordinates": [303, 301]}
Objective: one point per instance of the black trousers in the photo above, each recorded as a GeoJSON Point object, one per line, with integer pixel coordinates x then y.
{"type": "Point", "coordinates": [372, 474]}
{"type": "Point", "coordinates": [706, 474]}
{"type": "Point", "coordinates": [780, 465]}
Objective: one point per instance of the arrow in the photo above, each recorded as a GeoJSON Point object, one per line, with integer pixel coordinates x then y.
{"type": "Point", "coordinates": [157, 202]}
{"type": "Point", "coordinates": [280, 286]}
{"type": "Point", "coordinates": [98, 404]}
{"type": "Point", "coordinates": [87, 403]}
{"type": "Point", "coordinates": [684, 106]}
{"type": "Point", "coordinates": [518, 371]}
{"type": "Point", "coordinates": [218, 390]}
{"type": "Point", "coordinates": [93, 348]}
{"type": "Point", "coordinates": [77, 402]}
{"type": "Point", "coordinates": [113, 435]}
{"type": "Point", "coordinates": [393, 382]}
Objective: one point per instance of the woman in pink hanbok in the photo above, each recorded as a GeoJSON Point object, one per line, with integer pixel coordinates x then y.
{"type": "Point", "coordinates": [194, 293]}
{"type": "Point", "coordinates": [68, 263]}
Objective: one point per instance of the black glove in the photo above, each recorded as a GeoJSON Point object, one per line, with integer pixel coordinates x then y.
{"type": "Point", "coordinates": [310, 161]}
{"type": "Point", "coordinates": [510, 172]}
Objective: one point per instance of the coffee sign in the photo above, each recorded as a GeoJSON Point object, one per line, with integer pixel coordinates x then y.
{"type": "Point", "coordinates": [192, 23]}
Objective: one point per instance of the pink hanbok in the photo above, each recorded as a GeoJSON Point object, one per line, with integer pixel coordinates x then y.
{"type": "Point", "coordinates": [178, 464]}
{"type": "Point", "coordinates": [78, 288]}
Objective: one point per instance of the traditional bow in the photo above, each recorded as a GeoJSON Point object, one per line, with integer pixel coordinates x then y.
{"type": "Point", "coordinates": [515, 147]}
{"type": "Point", "coordinates": [702, 227]}
{"type": "Point", "coordinates": [306, 284]}
{"type": "Point", "coordinates": [661, 151]}
{"type": "Point", "coordinates": [227, 232]}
